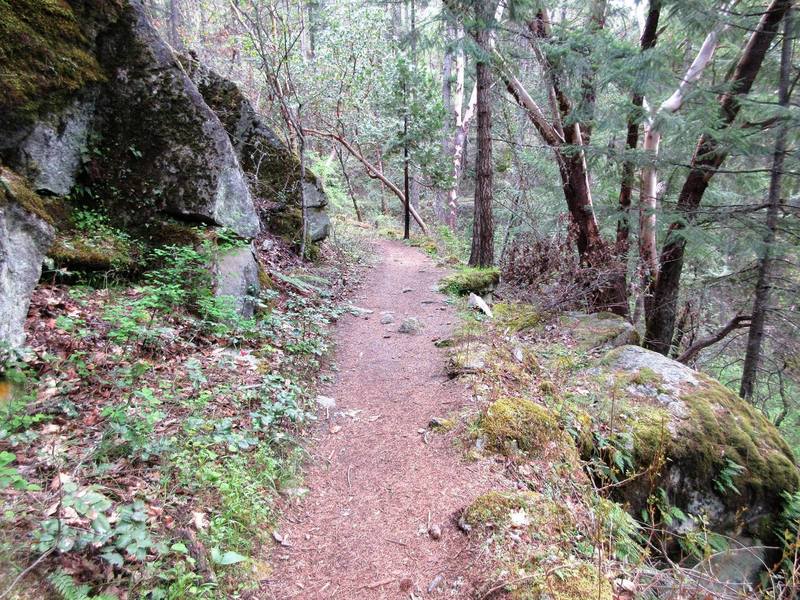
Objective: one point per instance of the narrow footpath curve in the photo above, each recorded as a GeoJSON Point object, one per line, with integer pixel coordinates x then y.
{"type": "Point", "coordinates": [375, 484]}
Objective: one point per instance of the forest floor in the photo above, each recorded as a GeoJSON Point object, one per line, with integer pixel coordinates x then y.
{"type": "Point", "coordinates": [380, 519]}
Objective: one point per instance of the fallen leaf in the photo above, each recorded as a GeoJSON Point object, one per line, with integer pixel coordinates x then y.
{"type": "Point", "coordinates": [199, 520]}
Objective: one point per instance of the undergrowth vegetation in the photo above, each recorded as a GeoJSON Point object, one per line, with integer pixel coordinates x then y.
{"type": "Point", "coordinates": [149, 432]}
{"type": "Point", "coordinates": [545, 409]}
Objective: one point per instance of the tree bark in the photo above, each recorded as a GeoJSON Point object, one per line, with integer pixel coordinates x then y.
{"type": "Point", "coordinates": [463, 115]}
{"type": "Point", "coordinates": [738, 322]}
{"type": "Point", "coordinates": [447, 101]}
{"type": "Point", "coordinates": [482, 254]}
{"type": "Point", "coordinates": [755, 337]}
{"type": "Point", "coordinates": [646, 42]}
{"type": "Point", "coordinates": [707, 158]}
{"type": "Point", "coordinates": [648, 201]}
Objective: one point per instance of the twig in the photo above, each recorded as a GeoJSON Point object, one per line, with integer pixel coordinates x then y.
{"type": "Point", "coordinates": [377, 584]}
{"type": "Point", "coordinates": [19, 577]}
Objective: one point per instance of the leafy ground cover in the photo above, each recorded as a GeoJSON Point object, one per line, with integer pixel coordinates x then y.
{"type": "Point", "coordinates": [148, 434]}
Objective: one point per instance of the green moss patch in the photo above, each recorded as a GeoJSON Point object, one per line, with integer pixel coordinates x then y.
{"type": "Point", "coordinates": [468, 279]}
{"type": "Point", "coordinates": [45, 56]}
{"type": "Point", "coordinates": [510, 422]}
{"type": "Point", "coordinates": [578, 581]}
{"type": "Point", "coordinates": [516, 316]}
{"type": "Point", "coordinates": [14, 187]}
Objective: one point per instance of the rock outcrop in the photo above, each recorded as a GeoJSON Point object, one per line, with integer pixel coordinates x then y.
{"type": "Point", "coordinates": [96, 110]}
{"type": "Point", "coordinates": [272, 169]}
{"type": "Point", "coordinates": [237, 277]}
{"type": "Point", "coordinates": [25, 237]}
{"type": "Point", "coordinates": [161, 147]}
{"type": "Point", "coordinates": [708, 452]}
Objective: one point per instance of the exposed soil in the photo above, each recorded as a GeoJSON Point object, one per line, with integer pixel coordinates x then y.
{"type": "Point", "coordinates": [376, 482]}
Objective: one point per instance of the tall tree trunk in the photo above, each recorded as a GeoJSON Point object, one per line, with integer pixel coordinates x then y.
{"type": "Point", "coordinates": [447, 101]}
{"type": "Point", "coordinates": [482, 254]}
{"type": "Point", "coordinates": [463, 115]}
{"type": "Point", "coordinates": [755, 337]}
{"type": "Point", "coordinates": [647, 41]}
{"type": "Point", "coordinates": [174, 24]}
{"type": "Point", "coordinates": [648, 201]}
{"type": "Point", "coordinates": [707, 158]}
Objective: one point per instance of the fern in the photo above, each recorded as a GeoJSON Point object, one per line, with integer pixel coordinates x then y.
{"type": "Point", "coordinates": [67, 589]}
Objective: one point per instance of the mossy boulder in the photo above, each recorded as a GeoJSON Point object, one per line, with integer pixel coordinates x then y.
{"type": "Point", "coordinates": [711, 452]}
{"type": "Point", "coordinates": [24, 238]}
{"type": "Point", "coordinates": [516, 424]}
{"type": "Point", "coordinates": [162, 149]}
{"type": "Point", "coordinates": [273, 170]}
{"type": "Point", "coordinates": [599, 330]}
{"type": "Point", "coordinates": [466, 357]}
{"type": "Point", "coordinates": [469, 279]}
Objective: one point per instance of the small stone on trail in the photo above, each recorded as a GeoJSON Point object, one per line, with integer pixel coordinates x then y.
{"type": "Point", "coordinates": [435, 532]}
{"type": "Point", "coordinates": [435, 584]}
{"type": "Point", "coordinates": [359, 312]}
{"type": "Point", "coordinates": [386, 337]}
{"type": "Point", "coordinates": [336, 429]}
{"type": "Point", "coordinates": [387, 318]}
{"type": "Point", "coordinates": [463, 525]}
{"type": "Point", "coordinates": [428, 302]}
{"type": "Point", "coordinates": [411, 325]}
{"type": "Point", "coordinates": [406, 290]}
{"type": "Point", "coordinates": [326, 402]}
{"type": "Point", "coordinates": [437, 423]}
{"type": "Point", "coordinates": [282, 540]}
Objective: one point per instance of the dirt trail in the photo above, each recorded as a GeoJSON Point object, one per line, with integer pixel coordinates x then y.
{"type": "Point", "coordinates": [361, 532]}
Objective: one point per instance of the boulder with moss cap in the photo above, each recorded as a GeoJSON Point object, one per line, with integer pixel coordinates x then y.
{"type": "Point", "coordinates": [25, 236]}
{"type": "Point", "coordinates": [712, 453]}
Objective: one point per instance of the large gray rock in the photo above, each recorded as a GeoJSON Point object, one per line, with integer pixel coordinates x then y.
{"type": "Point", "coordinates": [24, 240]}
{"type": "Point", "coordinates": [50, 154]}
{"type": "Point", "coordinates": [318, 221]}
{"type": "Point", "coordinates": [162, 148]}
{"type": "Point", "coordinates": [273, 170]}
{"type": "Point", "coordinates": [714, 455]}
{"type": "Point", "coordinates": [599, 330]}
{"type": "Point", "coordinates": [237, 277]}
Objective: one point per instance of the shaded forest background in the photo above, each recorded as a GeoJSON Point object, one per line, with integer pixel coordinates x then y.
{"type": "Point", "coordinates": [355, 85]}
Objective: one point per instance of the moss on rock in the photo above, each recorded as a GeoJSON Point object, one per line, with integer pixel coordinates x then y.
{"type": "Point", "coordinates": [469, 279]}
{"type": "Point", "coordinates": [516, 316]}
{"type": "Point", "coordinates": [686, 430]}
{"type": "Point", "coordinates": [14, 187]}
{"type": "Point", "coordinates": [571, 582]}
{"type": "Point", "coordinates": [46, 57]}
{"type": "Point", "coordinates": [540, 514]}
{"type": "Point", "coordinates": [529, 426]}
{"type": "Point", "coordinates": [466, 357]}
{"type": "Point", "coordinates": [599, 330]}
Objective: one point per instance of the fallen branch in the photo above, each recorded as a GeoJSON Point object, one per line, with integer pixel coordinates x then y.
{"type": "Point", "coordinates": [372, 171]}
{"type": "Point", "coordinates": [738, 322]}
